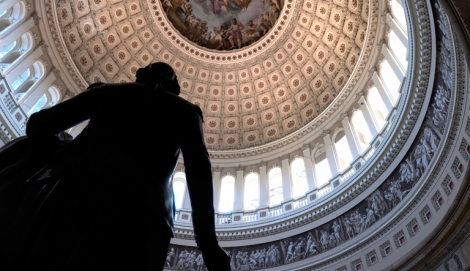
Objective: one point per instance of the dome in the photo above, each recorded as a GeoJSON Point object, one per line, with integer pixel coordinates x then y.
{"type": "Point", "coordinates": [337, 129]}
{"type": "Point", "coordinates": [270, 87]}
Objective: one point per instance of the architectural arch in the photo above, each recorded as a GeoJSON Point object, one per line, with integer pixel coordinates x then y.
{"type": "Point", "coordinates": [23, 84]}
{"type": "Point", "coordinates": [377, 106]}
{"type": "Point", "coordinates": [16, 51]}
{"type": "Point", "coordinates": [342, 150]}
{"type": "Point", "coordinates": [252, 190]}
{"type": "Point", "coordinates": [397, 47]}
{"type": "Point", "coordinates": [276, 195]}
{"type": "Point", "coordinates": [391, 81]}
{"type": "Point", "coordinates": [322, 167]}
{"type": "Point", "coordinates": [361, 129]}
{"type": "Point", "coordinates": [12, 17]}
{"type": "Point", "coordinates": [227, 192]}
{"type": "Point", "coordinates": [399, 13]}
{"type": "Point", "coordinates": [53, 96]}
{"type": "Point", "coordinates": [299, 177]}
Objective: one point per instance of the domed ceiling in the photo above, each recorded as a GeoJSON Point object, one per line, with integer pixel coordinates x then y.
{"type": "Point", "coordinates": [284, 76]}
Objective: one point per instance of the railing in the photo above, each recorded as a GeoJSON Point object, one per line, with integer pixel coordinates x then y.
{"type": "Point", "coordinates": [275, 211]}
{"type": "Point", "coordinates": [223, 219]}
{"type": "Point", "coordinates": [324, 190]}
{"type": "Point", "coordinates": [347, 174]}
{"type": "Point", "coordinates": [300, 203]}
{"type": "Point", "coordinates": [250, 217]}
{"type": "Point", "coordinates": [177, 216]}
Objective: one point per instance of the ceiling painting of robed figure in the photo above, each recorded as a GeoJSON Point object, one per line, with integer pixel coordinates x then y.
{"type": "Point", "coordinates": [223, 24]}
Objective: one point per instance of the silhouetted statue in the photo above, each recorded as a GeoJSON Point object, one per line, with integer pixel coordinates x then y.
{"type": "Point", "coordinates": [104, 201]}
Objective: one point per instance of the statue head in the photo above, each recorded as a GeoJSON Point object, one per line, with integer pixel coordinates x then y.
{"type": "Point", "coordinates": [160, 76]}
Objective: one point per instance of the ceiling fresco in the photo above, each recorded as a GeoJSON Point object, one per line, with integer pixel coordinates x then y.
{"type": "Point", "coordinates": [274, 85]}
{"type": "Point", "coordinates": [223, 24]}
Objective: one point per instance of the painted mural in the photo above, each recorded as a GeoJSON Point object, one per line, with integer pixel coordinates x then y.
{"type": "Point", "coordinates": [369, 211]}
{"type": "Point", "coordinates": [223, 24]}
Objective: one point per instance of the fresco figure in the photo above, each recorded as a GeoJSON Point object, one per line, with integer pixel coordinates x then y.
{"type": "Point", "coordinates": [217, 6]}
{"type": "Point", "coordinates": [236, 33]}
{"type": "Point", "coordinates": [251, 33]}
{"type": "Point", "coordinates": [274, 11]}
{"type": "Point", "coordinates": [167, 5]}
{"type": "Point", "coordinates": [233, 25]}
{"type": "Point", "coordinates": [264, 23]}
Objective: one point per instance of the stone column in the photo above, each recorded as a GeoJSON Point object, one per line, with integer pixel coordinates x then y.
{"type": "Point", "coordinates": [383, 92]}
{"type": "Point", "coordinates": [217, 186]}
{"type": "Point", "coordinates": [394, 63]}
{"type": "Point", "coordinates": [330, 155]}
{"type": "Point", "coordinates": [308, 167]}
{"type": "Point", "coordinates": [286, 179]}
{"type": "Point", "coordinates": [367, 114]}
{"type": "Point", "coordinates": [263, 185]}
{"type": "Point", "coordinates": [239, 185]}
{"type": "Point", "coordinates": [350, 136]}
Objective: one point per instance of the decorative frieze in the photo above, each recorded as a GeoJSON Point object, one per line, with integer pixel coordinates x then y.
{"type": "Point", "coordinates": [437, 200]}
{"type": "Point", "coordinates": [386, 249]}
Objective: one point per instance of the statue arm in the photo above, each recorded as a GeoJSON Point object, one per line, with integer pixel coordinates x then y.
{"type": "Point", "coordinates": [199, 179]}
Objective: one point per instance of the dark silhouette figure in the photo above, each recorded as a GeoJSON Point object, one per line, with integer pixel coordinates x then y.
{"type": "Point", "coordinates": [104, 201]}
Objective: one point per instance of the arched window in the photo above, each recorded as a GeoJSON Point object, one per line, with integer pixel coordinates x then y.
{"type": "Point", "coordinates": [227, 191]}
{"type": "Point", "coordinates": [12, 16]}
{"type": "Point", "coordinates": [3, 13]}
{"type": "Point", "coordinates": [399, 13]}
{"type": "Point", "coordinates": [377, 106]}
{"type": "Point", "coordinates": [5, 21]}
{"type": "Point", "coordinates": [7, 50]}
{"type": "Point", "coordinates": [299, 178]}
{"type": "Point", "coordinates": [38, 105]}
{"type": "Point", "coordinates": [21, 79]}
{"type": "Point", "coordinates": [46, 99]}
{"type": "Point", "coordinates": [16, 50]}
{"type": "Point", "coordinates": [398, 48]}
{"type": "Point", "coordinates": [276, 193]}
{"type": "Point", "coordinates": [343, 152]}
{"type": "Point", "coordinates": [362, 131]}
{"type": "Point", "coordinates": [179, 188]}
{"type": "Point", "coordinates": [27, 79]}
{"type": "Point", "coordinates": [322, 168]}
{"type": "Point", "coordinates": [53, 96]}
{"type": "Point", "coordinates": [390, 79]}
{"type": "Point", "coordinates": [251, 194]}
